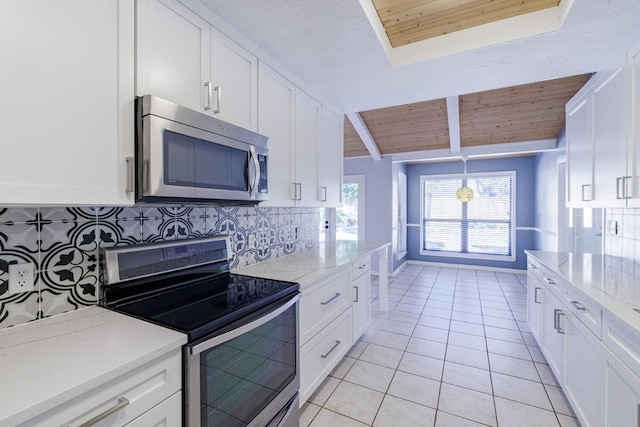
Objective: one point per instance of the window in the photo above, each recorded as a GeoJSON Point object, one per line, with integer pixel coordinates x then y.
{"type": "Point", "coordinates": [401, 216]}
{"type": "Point", "coordinates": [483, 228]}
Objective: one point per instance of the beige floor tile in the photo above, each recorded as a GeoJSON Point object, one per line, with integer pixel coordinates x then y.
{"type": "Point", "coordinates": [419, 301]}
{"type": "Point", "coordinates": [566, 421]}
{"type": "Point", "coordinates": [524, 391]}
{"type": "Point", "coordinates": [355, 401]}
{"type": "Point", "coordinates": [467, 376]}
{"type": "Point", "coordinates": [469, 404]}
{"type": "Point", "coordinates": [447, 420]}
{"type": "Point", "coordinates": [396, 412]}
{"type": "Point", "coordinates": [427, 348]}
{"type": "Point", "coordinates": [514, 414]}
{"type": "Point", "coordinates": [327, 418]}
{"type": "Point", "coordinates": [506, 348]}
{"type": "Point", "coordinates": [536, 354]}
{"type": "Point", "coordinates": [417, 389]}
{"type": "Point", "coordinates": [390, 339]}
{"type": "Point", "coordinates": [370, 375]}
{"type": "Point", "coordinates": [500, 323]}
{"type": "Point", "coordinates": [546, 375]}
{"type": "Point", "coordinates": [322, 393]}
{"type": "Point", "coordinates": [512, 366]}
{"type": "Point", "coordinates": [437, 312]}
{"type": "Point", "coordinates": [380, 355]}
{"type": "Point", "coordinates": [467, 356]}
{"type": "Point", "coordinates": [434, 322]}
{"type": "Point", "coordinates": [357, 349]}
{"type": "Point", "coordinates": [443, 305]}
{"type": "Point", "coordinates": [466, 317]}
{"type": "Point", "coordinates": [432, 334]}
{"type": "Point", "coordinates": [308, 413]}
{"type": "Point", "coordinates": [343, 367]}
{"type": "Point", "coordinates": [424, 366]}
{"type": "Point", "coordinates": [467, 328]}
{"type": "Point", "coordinates": [403, 328]}
{"type": "Point", "coordinates": [504, 334]}
{"type": "Point", "coordinates": [469, 341]}
{"type": "Point", "coordinates": [558, 400]}
{"type": "Point", "coordinates": [403, 317]}
{"type": "Point", "coordinates": [408, 308]}
{"type": "Point", "coordinates": [495, 312]}
{"type": "Point", "coordinates": [465, 308]}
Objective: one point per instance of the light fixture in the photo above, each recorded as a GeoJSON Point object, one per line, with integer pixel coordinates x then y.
{"type": "Point", "coordinates": [464, 193]}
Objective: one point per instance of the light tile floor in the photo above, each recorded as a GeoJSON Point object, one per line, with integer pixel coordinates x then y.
{"type": "Point", "coordinates": [453, 350]}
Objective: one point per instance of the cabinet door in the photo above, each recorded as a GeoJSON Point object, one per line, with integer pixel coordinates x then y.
{"type": "Point", "coordinates": [583, 372]}
{"type": "Point", "coordinates": [306, 152]}
{"type": "Point", "coordinates": [276, 103]}
{"type": "Point", "coordinates": [330, 155]}
{"type": "Point", "coordinates": [234, 77]}
{"type": "Point", "coordinates": [67, 100]}
{"type": "Point", "coordinates": [579, 151]}
{"type": "Point", "coordinates": [173, 50]}
{"type": "Point", "coordinates": [552, 333]}
{"type": "Point", "coordinates": [633, 167]}
{"type": "Point", "coordinates": [610, 123]}
{"type": "Point", "coordinates": [167, 413]}
{"type": "Point", "coordinates": [622, 394]}
{"type": "Point", "coordinates": [361, 305]}
{"type": "Point", "coordinates": [534, 306]}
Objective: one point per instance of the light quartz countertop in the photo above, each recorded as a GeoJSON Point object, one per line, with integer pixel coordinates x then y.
{"type": "Point", "coordinates": [613, 282]}
{"type": "Point", "coordinates": [48, 362]}
{"type": "Point", "coordinates": [309, 266]}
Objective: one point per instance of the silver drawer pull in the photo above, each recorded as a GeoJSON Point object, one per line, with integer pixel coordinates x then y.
{"type": "Point", "coordinates": [122, 402]}
{"type": "Point", "coordinates": [357, 294]}
{"type": "Point", "coordinates": [578, 306]}
{"type": "Point", "coordinates": [362, 266]}
{"type": "Point", "coordinates": [324, 356]}
{"type": "Point", "coordinates": [549, 281]}
{"type": "Point", "coordinates": [535, 296]}
{"type": "Point", "coordinates": [533, 266]}
{"type": "Point", "coordinates": [330, 299]}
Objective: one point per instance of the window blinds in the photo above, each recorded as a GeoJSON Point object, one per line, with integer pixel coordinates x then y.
{"type": "Point", "coordinates": [482, 226]}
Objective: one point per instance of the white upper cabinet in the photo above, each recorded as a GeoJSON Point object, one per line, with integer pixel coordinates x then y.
{"type": "Point", "coordinates": [306, 188]}
{"type": "Point", "coordinates": [276, 119]}
{"type": "Point", "coordinates": [633, 166]}
{"type": "Point", "coordinates": [598, 141]}
{"type": "Point", "coordinates": [181, 58]}
{"type": "Point", "coordinates": [67, 85]}
{"type": "Point", "coordinates": [234, 83]}
{"type": "Point", "coordinates": [173, 51]}
{"type": "Point", "coordinates": [330, 153]}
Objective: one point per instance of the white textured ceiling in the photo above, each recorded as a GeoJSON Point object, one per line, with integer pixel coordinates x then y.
{"type": "Point", "coordinates": [331, 46]}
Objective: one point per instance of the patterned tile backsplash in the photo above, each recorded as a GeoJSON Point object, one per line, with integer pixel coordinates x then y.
{"type": "Point", "coordinates": [64, 243]}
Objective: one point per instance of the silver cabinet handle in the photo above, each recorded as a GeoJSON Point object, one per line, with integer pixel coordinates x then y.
{"type": "Point", "coordinates": [549, 281]}
{"type": "Point", "coordinates": [357, 294]}
{"type": "Point", "coordinates": [324, 356]}
{"type": "Point", "coordinates": [533, 266]}
{"type": "Point", "coordinates": [207, 106]}
{"type": "Point", "coordinates": [590, 196]}
{"type": "Point", "coordinates": [556, 321]}
{"type": "Point", "coordinates": [299, 191]}
{"type": "Point", "coordinates": [625, 187]}
{"type": "Point", "coordinates": [122, 402]}
{"type": "Point", "coordinates": [618, 180]}
{"type": "Point", "coordinates": [324, 194]}
{"type": "Point", "coordinates": [130, 172]}
{"type": "Point", "coordinates": [535, 296]}
{"type": "Point", "coordinates": [362, 266]}
{"type": "Point", "coordinates": [255, 180]}
{"type": "Point", "coordinates": [330, 299]}
{"type": "Point", "coordinates": [578, 306]}
{"type": "Point", "coordinates": [295, 191]}
{"type": "Point", "coordinates": [218, 91]}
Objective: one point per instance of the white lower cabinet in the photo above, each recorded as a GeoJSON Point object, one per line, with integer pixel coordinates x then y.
{"type": "Point", "coordinates": [361, 288]}
{"type": "Point", "coordinates": [534, 306]}
{"type": "Point", "coordinates": [144, 396]}
{"type": "Point", "coordinates": [553, 330]}
{"type": "Point", "coordinates": [621, 393]}
{"type": "Point", "coordinates": [583, 377]}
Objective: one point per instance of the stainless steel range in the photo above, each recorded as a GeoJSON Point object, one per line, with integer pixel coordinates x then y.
{"type": "Point", "coordinates": [241, 362]}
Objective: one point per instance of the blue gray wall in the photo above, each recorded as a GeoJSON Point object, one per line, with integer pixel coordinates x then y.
{"type": "Point", "coordinates": [525, 206]}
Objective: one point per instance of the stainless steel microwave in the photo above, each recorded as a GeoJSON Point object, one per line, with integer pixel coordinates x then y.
{"type": "Point", "coordinates": [186, 156]}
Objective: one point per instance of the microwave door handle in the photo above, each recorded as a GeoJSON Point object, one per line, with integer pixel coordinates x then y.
{"type": "Point", "coordinates": [253, 182]}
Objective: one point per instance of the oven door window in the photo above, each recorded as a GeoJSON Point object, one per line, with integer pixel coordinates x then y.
{"type": "Point", "coordinates": [240, 377]}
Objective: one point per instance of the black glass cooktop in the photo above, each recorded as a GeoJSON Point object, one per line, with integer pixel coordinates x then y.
{"type": "Point", "coordinates": [208, 304]}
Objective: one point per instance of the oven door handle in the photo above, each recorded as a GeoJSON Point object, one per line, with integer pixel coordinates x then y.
{"type": "Point", "coordinates": [198, 348]}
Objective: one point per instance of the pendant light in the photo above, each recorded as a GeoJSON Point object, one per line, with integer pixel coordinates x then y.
{"type": "Point", "coordinates": [464, 193]}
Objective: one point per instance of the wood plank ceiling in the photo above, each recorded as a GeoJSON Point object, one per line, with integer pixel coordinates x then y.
{"type": "Point", "coordinates": [409, 21]}
{"type": "Point", "coordinates": [522, 113]}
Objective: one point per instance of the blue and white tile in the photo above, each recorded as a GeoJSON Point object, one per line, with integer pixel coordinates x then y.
{"type": "Point", "coordinates": [18, 215]}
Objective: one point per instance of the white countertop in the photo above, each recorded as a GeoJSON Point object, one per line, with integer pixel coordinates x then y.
{"type": "Point", "coordinates": [309, 266]}
{"type": "Point", "coordinates": [613, 282]}
{"type": "Point", "coordinates": [48, 362]}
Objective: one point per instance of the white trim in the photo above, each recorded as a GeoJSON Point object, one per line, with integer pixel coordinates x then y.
{"type": "Point", "coordinates": [467, 266]}
{"type": "Point", "coordinates": [453, 115]}
{"type": "Point", "coordinates": [413, 225]}
{"type": "Point", "coordinates": [361, 128]}
{"type": "Point", "coordinates": [507, 148]}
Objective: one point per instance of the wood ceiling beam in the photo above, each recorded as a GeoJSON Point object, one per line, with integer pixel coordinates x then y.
{"type": "Point", "coordinates": [453, 115]}
{"type": "Point", "coordinates": [365, 135]}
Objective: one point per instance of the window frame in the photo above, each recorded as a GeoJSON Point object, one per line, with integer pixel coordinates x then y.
{"type": "Point", "coordinates": [468, 255]}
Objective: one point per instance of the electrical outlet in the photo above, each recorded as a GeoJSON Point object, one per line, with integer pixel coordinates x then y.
{"type": "Point", "coordinates": [21, 278]}
{"type": "Point", "coordinates": [612, 227]}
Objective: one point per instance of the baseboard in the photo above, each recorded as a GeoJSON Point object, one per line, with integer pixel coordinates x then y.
{"type": "Point", "coordinates": [466, 266]}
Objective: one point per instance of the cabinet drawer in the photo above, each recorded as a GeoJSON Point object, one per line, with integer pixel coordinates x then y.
{"type": "Point", "coordinates": [622, 340]}
{"type": "Point", "coordinates": [585, 310]}
{"type": "Point", "coordinates": [168, 413]}
{"type": "Point", "coordinates": [143, 387]}
{"type": "Point", "coordinates": [360, 267]}
{"type": "Point", "coordinates": [323, 303]}
{"type": "Point", "coordinates": [320, 355]}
